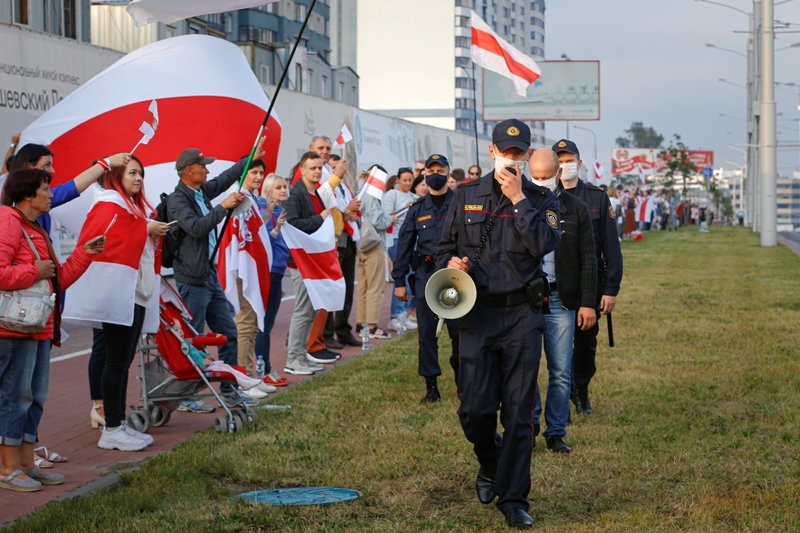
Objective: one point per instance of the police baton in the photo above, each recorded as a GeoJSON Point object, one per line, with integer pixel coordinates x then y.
{"type": "Point", "coordinates": [610, 331]}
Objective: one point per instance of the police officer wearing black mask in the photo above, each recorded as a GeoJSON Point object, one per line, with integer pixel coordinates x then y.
{"type": "Point", "coordinates": [416, 248]}
{"type": "Point", "coordinates": [498, 229]}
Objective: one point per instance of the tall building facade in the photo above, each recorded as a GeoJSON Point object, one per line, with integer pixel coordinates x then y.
{"type": "Point", "coordinates": [64, 18]}
{"type": "Point", "coordinates": [414, 64]}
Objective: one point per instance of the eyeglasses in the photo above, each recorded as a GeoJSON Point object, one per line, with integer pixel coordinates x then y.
{"type": "Point", "coordinates": [473, 173]}
{"type": "Point", "coordinates": [418, 169]}
{"type": "Point", "coordinates": [404, 169]}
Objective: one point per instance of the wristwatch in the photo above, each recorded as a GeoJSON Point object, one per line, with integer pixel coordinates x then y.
{"type": "Point", "coordinates": [13, 145]}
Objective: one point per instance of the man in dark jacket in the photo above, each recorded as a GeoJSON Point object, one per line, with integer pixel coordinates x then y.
{"type": "Point", "coordinates": [571, 273]}
{"type": "Point", "coordinates": [194, 266]}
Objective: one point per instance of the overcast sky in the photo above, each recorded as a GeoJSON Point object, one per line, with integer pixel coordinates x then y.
{"type": "Point", "coordinates": [655, 68]}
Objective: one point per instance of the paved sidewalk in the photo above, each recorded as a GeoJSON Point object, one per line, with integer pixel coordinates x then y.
{"type": "Point", "coordinates": [65, 427]}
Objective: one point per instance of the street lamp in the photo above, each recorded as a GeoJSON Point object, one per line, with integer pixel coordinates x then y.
{"type": "Point", "coordinates": [710, 45]}
{"type": "Point", "coordinates": [731, 83]}
{"type": "Point", "coordinates": [734, 118]}
{"type": "Point", "coordinates": [594, 146]}
{"type": "Point", "coordinates": [795, 45]}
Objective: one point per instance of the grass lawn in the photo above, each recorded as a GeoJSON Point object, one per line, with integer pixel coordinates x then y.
{"type": "Point", "coordinates": [695, 425]}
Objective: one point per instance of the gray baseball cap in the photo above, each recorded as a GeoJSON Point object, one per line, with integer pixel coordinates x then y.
{"type": "Point", "coordinates": [192, 156]}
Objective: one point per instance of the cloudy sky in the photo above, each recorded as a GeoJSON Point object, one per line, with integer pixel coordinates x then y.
{"type": "Point", "coordinates": [655, 68]}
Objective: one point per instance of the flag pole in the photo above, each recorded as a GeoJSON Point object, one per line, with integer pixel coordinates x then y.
{"type": "Point", "coordinates": [475, 106]}
{"type": "Point", "coordinates": [266, 117]}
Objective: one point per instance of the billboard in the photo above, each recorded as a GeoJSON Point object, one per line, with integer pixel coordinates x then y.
{"type": "Point", "coordinates": [627, 160]}
{"type": "Point", "coordinates": [567, 90]}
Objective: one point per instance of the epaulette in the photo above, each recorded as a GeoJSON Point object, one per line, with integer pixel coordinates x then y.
{"type": "Point", "coordinates": [538, 188]}
{"type": "Point", "coordinates": [592, 187]}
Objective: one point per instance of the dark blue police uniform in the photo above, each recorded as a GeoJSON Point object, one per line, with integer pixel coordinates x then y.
{"type": "Point", "coordinates": [422, 230]}
{"type": "Point", "coordinates": [501, 337]}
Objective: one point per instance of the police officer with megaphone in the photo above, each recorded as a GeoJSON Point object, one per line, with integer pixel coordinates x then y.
{"type": "Point", "coordinates": [498, 229]}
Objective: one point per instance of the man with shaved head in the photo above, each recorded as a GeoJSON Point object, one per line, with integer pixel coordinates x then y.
{"type": "Point", "coordinates": [571, 273]}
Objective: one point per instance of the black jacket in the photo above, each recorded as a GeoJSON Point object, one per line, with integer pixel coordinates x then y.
{"type": "Point", "coordinates": [576, 265]}
{"type": "Point", "coordinates": [300, 211]}
{"type": "Point", "coordinates": [191, 264]}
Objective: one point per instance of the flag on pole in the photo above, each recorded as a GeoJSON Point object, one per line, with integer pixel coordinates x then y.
{"type": "Point", "coordinates": [375, 184]}
{"type": "Point", "coordinates": [343, 138]}
{"type": "Point", "coordinates": [492, 52]}
{"type": "Point", "coordinates": [326, 193]}
{"type": "Point", "coordinates": [598, 170]}
{"type": "Point", "coordinates": [146, 11]}
{"type": "Point", "coordinates": [246, 254]}
{"type": "Point", "coordinates": [317, 261]}
{"type": "Point", "coordinates": [642, 177]}
{"type": "Point", "coordinates": [149, 126]}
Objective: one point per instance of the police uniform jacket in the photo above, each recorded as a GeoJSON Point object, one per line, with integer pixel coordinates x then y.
{"type": "Point", "coordinates": [606, 240]}
{"type": "Point", "coordinates": [576, 265]}
{"type": "Point", "coordinates": [521, 235]}
{"type": "Point", "coordinates": [423, 228]}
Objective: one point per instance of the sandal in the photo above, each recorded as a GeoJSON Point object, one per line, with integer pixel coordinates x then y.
{"type": "Point", "coordinates": [41, 462]}
{"type": "Point", "coordinates": [53, 457]}
{"type": "Point", "coordinates": [23, 485]}
{"type": "Point", "coordinates": [378, 333]}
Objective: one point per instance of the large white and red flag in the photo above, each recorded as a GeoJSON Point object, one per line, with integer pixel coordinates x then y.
{"type": "Point", "coordinates": [375, 184]}
{"type": "Point", "coordinates": [598, 170]}
{"type": "Point", "coordinates": [492, 52]}
{"type": "Point", "coordinates": [219, 116]}
{"type": "Point", "coordinates": [642, 177]}
{"type": "Point", "coordinates": [343, 138]}
{"type": "Point", "coordinates": [149, 126]}
{"type": "Point", "coordinates": [317, 261]}
{"type": "Point", "coordinates": [246, 254]}
{"type": "Point", "coordinates": [168, 11]}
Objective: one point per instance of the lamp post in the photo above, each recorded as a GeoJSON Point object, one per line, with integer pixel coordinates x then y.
{"type": "Point", "coordinates": [565, 57]}
{"type": "Point", "coordinates": [594, 146]}
{"type": "Point", "coordinates": [767, 141]}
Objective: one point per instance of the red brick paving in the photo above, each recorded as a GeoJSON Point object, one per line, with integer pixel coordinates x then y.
{"type": "Point", "coordinates": [65, 426]}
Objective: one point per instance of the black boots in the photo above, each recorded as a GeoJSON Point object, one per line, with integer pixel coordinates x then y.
{"type": "Point", "coordinates": [432, 393]}
{"type": "Point", "coordinates": [581, 401]}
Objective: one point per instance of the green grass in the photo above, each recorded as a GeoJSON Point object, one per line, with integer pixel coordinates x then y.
{"type": "Point", "coordinates": [695, 425]}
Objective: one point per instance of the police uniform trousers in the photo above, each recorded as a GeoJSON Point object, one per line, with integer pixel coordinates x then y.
{"type": "Point", "coordinates": [427, 321]}
{"type": "Point", "coordinates": [499, 364]}
{"type": "Point", "coordinates": [585, 350]}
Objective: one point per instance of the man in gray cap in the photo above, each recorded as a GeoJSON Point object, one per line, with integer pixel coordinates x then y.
{"type": "Point", "coordinates": [194, 262]}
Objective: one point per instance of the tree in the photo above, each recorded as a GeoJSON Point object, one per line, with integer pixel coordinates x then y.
{"type": "Point", "coordinates": [637, 136]}
{"type": "Point", "coordinates": [676, 157]}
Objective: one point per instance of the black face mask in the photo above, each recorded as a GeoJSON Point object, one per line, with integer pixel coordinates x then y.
{"type": "Point", "coordinates": [436, 181]}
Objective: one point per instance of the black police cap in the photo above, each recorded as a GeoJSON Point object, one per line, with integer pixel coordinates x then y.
{"type": "Point", "coordinates": [566, 146]}
{"type": "Point", "coordinates": [437, 158]}
{"type": "Point", "coordinates": [511, 132]}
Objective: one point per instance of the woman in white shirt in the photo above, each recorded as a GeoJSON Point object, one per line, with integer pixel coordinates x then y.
{"type": "Point", "coordinates": [397, 201]}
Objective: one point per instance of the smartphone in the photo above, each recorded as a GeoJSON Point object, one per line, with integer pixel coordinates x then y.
{"type": "Point", "coordinates": [172, 223]}
{"type": "Point", "coordinates": [99, 238]}
{"type": "Point", "coordinates": [512, 170]}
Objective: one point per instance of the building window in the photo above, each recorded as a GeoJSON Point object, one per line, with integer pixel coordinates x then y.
{"type": "Point", "coordinates": [325, 87]}
{"type": "Point", "coordinates": [300, 11]}
{"type": "Point", "coordinates": [298, 77]}
{"type": "Point", "coordinates": [310, 88]}
{"type": "Point", "coordinates": [463, 42]}
{"type": "Point", "coordinates": [513, 7]}
{"type": "Point", "coordinates": [463, 83]}
{"type": "Point", "coordinates": [341, 92]}
{"type": "Point", "coordinates": [463, 62]}
{"type": "Point", "coordinates": [462, 22]}
{"type": "Point", "coordinates": [506, 12]}
{"type": "Point", "coordinates": [353, 98]}
{"type": "Point", "coordinates": [263, 73]}
{"type": "Point", "coordinates": [20, 11]}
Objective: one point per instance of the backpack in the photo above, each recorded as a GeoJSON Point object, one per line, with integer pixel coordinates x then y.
{"type": "Point", "coordinates": [174, 237]}
{"type": "Point", "coordinates": [618, 210]}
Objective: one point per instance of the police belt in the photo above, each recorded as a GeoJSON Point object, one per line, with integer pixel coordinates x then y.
{"type": "Point", "coordinates": [504, 300]}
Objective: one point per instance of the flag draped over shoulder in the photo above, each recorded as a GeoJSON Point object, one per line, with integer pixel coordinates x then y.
{"type": "Point", "coordinates": [168, 11]}
{"type": "Point", "coordinates": [246, 255]}
{"type": "Point", "coordinates": [492, 52]}
{"type": "Point", "coordinates": [317, 261]}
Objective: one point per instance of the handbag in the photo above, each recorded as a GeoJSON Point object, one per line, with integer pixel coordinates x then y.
{"type": "Point", "coordinates": [369, 237]}
{"type": "Point", "coordinates": [27, 310]}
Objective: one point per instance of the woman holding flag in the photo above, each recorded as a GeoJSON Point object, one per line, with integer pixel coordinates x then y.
{"type": "Point", "coordinates": [123, 285]}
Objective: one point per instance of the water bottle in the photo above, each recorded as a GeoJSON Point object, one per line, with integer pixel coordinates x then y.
{"type": "Point", "coordinates": [401, 323]}
{"type": "Point", "coordinates": [260, 367]}
{"type": "Point", "coordinates": [365, 337]}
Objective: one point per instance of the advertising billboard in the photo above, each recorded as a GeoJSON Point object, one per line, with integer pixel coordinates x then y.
{"type": "Point", "coordinates": [566, 90]}
{"type": "Point", "coordinates": [627, 160]}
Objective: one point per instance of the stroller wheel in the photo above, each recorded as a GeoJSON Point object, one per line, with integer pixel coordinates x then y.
{"type": "Point", "coordinates": [236, 426]}
{"type": "Point", "coordinates": [221, 424]}
{"type": "Point", "coordinates": [139, 420]}
{"type": "Point", "coordinates": [241, 416]}
{"type": "Point", "coordinates": [159, 416]}
{"type": "Point", "coordinates": [250, 415]}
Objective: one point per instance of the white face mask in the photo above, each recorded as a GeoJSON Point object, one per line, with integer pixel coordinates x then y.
{"type": "Point", "coordinates": [550, 183]}
{"type": "Point", "coordinates": [569, 171]}
{"type": "Point", "coordinates": [501, 162]}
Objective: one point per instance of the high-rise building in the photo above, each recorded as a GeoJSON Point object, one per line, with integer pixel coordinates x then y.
{"type": "Point", "coordinates": [65, 18]}
{"type": "Point", "coordinates": [413, 56]}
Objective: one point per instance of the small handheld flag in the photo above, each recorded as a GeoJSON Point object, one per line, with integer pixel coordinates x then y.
{"type": "Point", "coordinates": [375, 184]}
{"type": "Point", "coordinates": [343, 138]}
{"type": "Point", "coordinates": [149, 126]}
{"type": "Point", "coordinates": [598, 170]}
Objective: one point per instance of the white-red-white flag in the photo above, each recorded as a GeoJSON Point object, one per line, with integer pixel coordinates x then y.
{"type": "Point", "coordinates": [642, 177]}
{"type": "Point", "coordinates": [343, 138]}
{"type": "Point", "coordinates": [246, 254]}
{"type": "Point", "coordinates": [375, 184]}
{"type": "Point", "coordinates": [317, 261]}
{"type": "Point", "coordinates": [492, 52]}
{"type": "Point", "coordinates": [598, 170]}
{"type": "Point", "coordinates": [149, 126]}
{"type": "Point", "coordinates": [168, 11]}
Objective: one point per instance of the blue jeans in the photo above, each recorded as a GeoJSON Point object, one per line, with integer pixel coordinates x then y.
{"type": "Point", "coordinates": [559, 328]}
{"type": "Point", "coordinates": [273, 304]}
{"type": "Point", "coordinates": [397, 306]}
{"type": "Point", "coordinates": [24, 381]}
{"type": "Point", "coordinates": [208, 304]}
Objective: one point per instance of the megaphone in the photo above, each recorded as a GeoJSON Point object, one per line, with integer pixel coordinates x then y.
{"type": "Point", "coordinates": [451, 294]}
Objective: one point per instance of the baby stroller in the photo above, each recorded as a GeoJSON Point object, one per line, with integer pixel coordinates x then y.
{"type": "Point", "coordinates": [170, 376]}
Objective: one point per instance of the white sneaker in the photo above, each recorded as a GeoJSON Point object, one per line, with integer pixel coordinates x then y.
{"type": "Point", "coordinates": [255, 394]}
{"type": "Point", "coordinates": [130, 431]}
{"type": "Point", "coordinates": [312, 365]}
{"type": "Point", "coordinates": [264, 387]}
{"type": "Point", "coordinates": [411, 324]}
{"type": "Point", "coordinates": [394, 324]}
{"type": "Point", "coordinates": [298, 367]}
{"type": "Point", "coordinates": [118, 439]}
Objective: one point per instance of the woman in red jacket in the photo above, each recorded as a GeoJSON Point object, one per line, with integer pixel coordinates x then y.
{"type": "Point", "coordinates": [25, 357]}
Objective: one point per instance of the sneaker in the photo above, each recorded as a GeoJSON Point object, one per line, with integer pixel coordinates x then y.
{"type": "Point", "coordinates": [324, 357]}
{"type": "Point", "coordinates": [298, 367]}
{"type": "Point", "coordinates": [130, 431]}
{"type": "Point", "coordinates": [394, 324]}
{"type": "Point", "coordinates": [411, 324]}
{"type": "Point", "coordinates": [266, 387]}
{"type": "Point", "coordinates": [316, 367]}
{"type": "Point", "coordinates": [255, 394]}
{"type": "Point", "coordinates": [196, 407]}
{"type": "Point", "coordinates": [378, 333]}
{"type": "Point", "coordinates": [118, 439]}
{"type": "Point", "coordinates": [274, 379]}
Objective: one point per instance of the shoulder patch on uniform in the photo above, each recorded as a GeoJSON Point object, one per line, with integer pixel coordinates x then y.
{"type": "Point", "coordinates": [424, 218]}
{"type": "Point", "coordinates": [552, 219]}
{"type": "Point", "coordinates": [473, 207]}
{"type": "Point", "coordinates": [593, 187]}
{"type": "Point", "coordinates": [611, 212]}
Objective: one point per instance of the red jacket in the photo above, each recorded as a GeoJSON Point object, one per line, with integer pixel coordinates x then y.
{"type": "Point", "coordinates": [17, 268]}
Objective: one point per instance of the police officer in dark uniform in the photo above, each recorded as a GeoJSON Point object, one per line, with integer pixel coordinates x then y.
{"type": "Point", "coordinates": [416, 248]}
{"type": "Point", "coordinates": [609, 268]}
{"type": "Point", "coordinates": [498, 229]}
